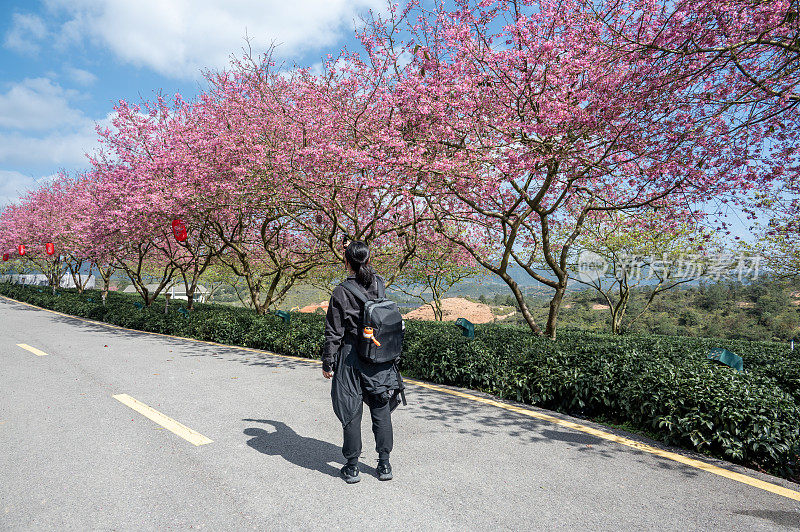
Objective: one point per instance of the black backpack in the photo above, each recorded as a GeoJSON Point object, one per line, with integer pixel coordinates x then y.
{"type": "Point", "coordinates": [381, 327]}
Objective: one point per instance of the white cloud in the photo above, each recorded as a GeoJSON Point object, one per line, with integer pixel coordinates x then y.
{"type": "Point", "coordinates": [178, 38]}
{"type": "Point", "coordinates": [41, 133]}
{"type": "Point", "coordinates": [80, 76]}
{"type": "Point", "coordinates": [14, 184]}
{"type": "Point", "coordinates": [37, 104]}
{"type": "Point", "coordinates": [25, 33]}
{"type": "Point", "coordinates": [59, 150]}
{"type": "Point", "coordinates": [64, 148]}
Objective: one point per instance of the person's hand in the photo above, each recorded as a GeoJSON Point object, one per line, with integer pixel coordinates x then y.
{"type": "Point", "coordinates": [327, 374]}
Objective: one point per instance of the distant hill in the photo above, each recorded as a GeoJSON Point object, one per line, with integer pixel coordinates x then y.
{"type": "Point", "coordinates": [491, 284]}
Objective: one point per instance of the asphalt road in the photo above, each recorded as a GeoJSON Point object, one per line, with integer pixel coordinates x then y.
{"type": "Point", "coordinates": [73, 457]}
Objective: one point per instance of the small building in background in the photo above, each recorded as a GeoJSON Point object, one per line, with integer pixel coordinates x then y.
{"type": "Point", "coordinates": [38, 279]}
{"type": "Point", "coordinates": [68, 282]}
{"type": "Point", "coordinates": [175, 291]}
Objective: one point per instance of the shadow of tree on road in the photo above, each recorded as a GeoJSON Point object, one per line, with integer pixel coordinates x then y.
{"type": "Point", "coordinates": [464, 416]}
{"type": "Point", "coordinates": [572, 437]}
{"type": "Point", "coordinates": [250, 358]}
{"type": "Point", "coordinates": [196, 347]}
{"type": "Point", "coordinates": [302, 451]}
{"type": "Point", "coordinates": [779, 517]}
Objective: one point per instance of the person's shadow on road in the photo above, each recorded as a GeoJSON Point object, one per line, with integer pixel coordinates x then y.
{"type": "Point", "coordinates": [305, 452]}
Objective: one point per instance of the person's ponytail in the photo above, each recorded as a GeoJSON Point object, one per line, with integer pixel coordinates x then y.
{"type": "Point", "coordinates": [357, 255]}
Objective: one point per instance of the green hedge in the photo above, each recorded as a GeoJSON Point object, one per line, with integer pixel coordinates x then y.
{"type": "Point", "coordinates": [663, 385]}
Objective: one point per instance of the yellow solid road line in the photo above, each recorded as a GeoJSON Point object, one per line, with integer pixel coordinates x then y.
{"type": "Point", "coordinates": [167, 422]}
{"type": "Point", "coordinates": [691, 462]}
{"type": "Point", "coordinates": [33, 350]}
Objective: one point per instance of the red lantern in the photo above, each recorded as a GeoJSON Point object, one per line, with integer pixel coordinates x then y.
{"type": "Point", "coordinates": [179, 230]}
{"type": "Point", "coordinates": [21, 250]}
{"type": "Point", "coordinates": [5, 257]}
{"type": "Point", "coordinates": [50, 248]}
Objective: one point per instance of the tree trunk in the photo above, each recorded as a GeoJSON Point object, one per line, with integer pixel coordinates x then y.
{"type": "Point", "coordinates": [255, 296]}
{"type": "Point", "coordinates": [75, 273]}
{"type": "Point", "coordinates": [616, 319]}
{"type": "Point", "coordinates": [242, 269]}
{"type": "Point", "coordinates": [618, 310]}
{"type": "Point", "coordinates": [552, 316]}
{"type": "Point", "coordinates": [51, 271]}
{"type": "Point", "coordinates": [436, 300]}
{"type": "Point", "coordinates": [523, 308]}
{"type": "Point", "coordinates": [106, 275]}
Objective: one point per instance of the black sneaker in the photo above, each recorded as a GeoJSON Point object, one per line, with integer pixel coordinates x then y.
{"type": "Point", "coordinates": [350, 474]}
{"type": "Point", "coordinates": [384, 470]}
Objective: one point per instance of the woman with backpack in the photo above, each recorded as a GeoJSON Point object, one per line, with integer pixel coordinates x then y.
{"type": "Point", "coordinates": [354, 357]}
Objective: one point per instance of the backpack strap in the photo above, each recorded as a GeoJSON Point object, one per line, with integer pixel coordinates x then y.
{"type": "Point", "coordinates": [355, 289]}
{"type": "Point", "coordinates": [381, 287]}
{"type": "Point", "coordinates": [359, 291]}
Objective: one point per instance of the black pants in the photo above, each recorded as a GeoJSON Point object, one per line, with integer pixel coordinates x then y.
{"type": "Point", "coordinates": [381, 427]}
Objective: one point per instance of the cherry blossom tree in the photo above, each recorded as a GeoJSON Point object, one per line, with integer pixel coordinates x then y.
{"type": "Point", "coordinates": [131, 230]}
{"type": "Point", "coordinates": [317, 135]}
{"type": "Point", "coordinates": [36, 221]}
{"type": "Point", "coordinates": [238, 149]}
{"type": "Point", "coordinates": [529, 117]}
{"type": "Point", "coordinates": [744, 53]}
{"type": "Point", "coordinates": [143, 176]}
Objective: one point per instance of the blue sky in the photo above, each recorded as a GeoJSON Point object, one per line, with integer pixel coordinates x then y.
{"type": "Point", "coordinates": [64, 63]}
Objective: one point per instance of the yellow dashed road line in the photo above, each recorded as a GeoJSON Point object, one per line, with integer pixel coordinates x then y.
{"type": "Point", "coordinates": [33, 350]}
{"type": "Point", "coordinates": [168, 423]}
{"type": "Point", "coordinates": [691, 462]}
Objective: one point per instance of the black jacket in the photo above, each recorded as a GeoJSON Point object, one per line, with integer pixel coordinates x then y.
{"type": "Point", "coordinates": [353, 376]}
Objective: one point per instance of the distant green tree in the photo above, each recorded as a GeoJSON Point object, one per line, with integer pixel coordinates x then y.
{"type": "Point", "coordinates": [712, 296]}
{"type": "Point", "coordinates": [434, 270]}
{"type": "Point", "coordinates": [638, 250]}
